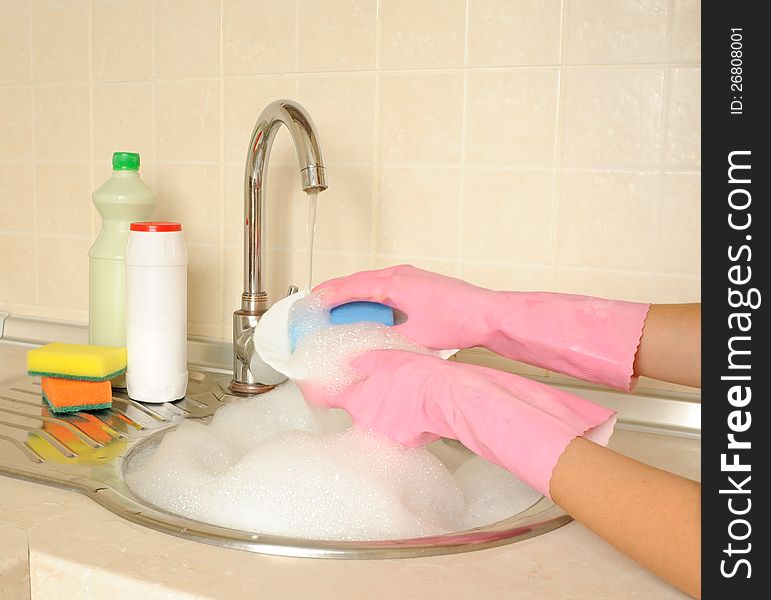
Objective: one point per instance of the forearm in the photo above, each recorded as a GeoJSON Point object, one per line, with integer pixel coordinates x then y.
{"type": "Point", "coordinates": [670, 347]}
{"type": "Point", "coordinates": [648, 514]}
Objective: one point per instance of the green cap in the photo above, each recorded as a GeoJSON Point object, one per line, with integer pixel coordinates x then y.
{"type": "Point", "coordinates": [125, 161]}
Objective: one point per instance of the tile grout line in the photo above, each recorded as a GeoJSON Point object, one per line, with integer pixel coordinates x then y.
{"type": "Point", "coordinates": [664, 116]}
{"type": "Point", "coordinates": [223, 324]}
{"type": "Point", "coordinates": [459, 247]}
{"type": "Point", "coordinates": [35, 208]}
{"type": "Point", "coordinates": [154, 100]}
{"type": "Point", "coordinates": [30, 61]}
{"type": "Point", "coordinates": [296, 60]}
{"type": "Point", "coordinates": [666, 82]}
{"type": "Point", "coordinates": [391, 71]}
{"type": "Point", "coordinates": [670, 26]}
{"type": "Point", "coordinates": [295, 256]}
{"type": "Point", "coordinates": [92, 149]}
{"type": "Point", "coordinates": [478, 262]}
{"type": "Point", "coordinates": [537, 266]}
{"type": "Point", "coordinates": [557, 156]}
{"type": "Point", "coordinates": [374, 214]}
{"type": "Point", "coordinates": [50, 236]}
{"type": "Point", "coordinates": [397, 165]}
{"type": "Point", "coordinates": [153, 71]}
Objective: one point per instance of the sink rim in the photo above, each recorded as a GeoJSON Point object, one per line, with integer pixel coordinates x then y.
{"type": "Point", "coordinates": [538, 518]}
{"type": "Point", "coordinates": [103, 481]}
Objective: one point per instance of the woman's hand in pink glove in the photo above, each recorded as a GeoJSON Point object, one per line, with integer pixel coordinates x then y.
{"type": "Point", "coordinates": [442, 312]}
{"type": "Point", "coordinates": [589, 338]}
{"type": "Point", "coordinates": [519, 424]}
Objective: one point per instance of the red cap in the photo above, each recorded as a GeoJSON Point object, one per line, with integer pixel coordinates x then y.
{"type": "Point", "coordinates": [156, 226]}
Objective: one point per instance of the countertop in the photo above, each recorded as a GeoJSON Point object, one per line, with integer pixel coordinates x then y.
{"type": "Point", "coordinates": [58, 544]}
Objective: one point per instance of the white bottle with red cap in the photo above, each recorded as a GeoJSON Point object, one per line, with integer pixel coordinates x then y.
{"type": "Point", "coordinates": [156, 312]}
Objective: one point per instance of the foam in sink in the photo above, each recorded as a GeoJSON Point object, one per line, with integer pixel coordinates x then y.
{"type": "Point", "coordinates": [305, 474]}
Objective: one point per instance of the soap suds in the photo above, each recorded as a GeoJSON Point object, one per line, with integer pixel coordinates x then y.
{"type": "Point", "coordinates": [271, 464]}
{"type": "Point", "coordinates": [324, 352]}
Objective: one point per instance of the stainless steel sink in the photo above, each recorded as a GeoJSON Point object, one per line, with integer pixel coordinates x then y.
{"type": "Point", "coordinates": [89, 452]}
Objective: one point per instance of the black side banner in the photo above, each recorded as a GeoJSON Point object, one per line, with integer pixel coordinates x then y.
{"type": "Point", "coordinates": [735, 399]}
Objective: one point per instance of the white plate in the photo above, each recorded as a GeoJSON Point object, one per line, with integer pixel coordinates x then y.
{"type": "Point", "coordinates": [272, 343]}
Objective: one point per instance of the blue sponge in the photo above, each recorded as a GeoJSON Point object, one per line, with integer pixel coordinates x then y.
{"type": "Point", "coordinates": [357, 312]}
{"type": "Point", "coordinates": [352, 312]}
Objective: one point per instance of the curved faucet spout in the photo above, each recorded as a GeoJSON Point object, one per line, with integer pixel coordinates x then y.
{"type": "Point", "coordinates": [254, 301]}
{"type": "Point", "coordinates": [312, 173]}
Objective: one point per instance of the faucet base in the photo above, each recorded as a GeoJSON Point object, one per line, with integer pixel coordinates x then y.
{"type": "Point", "coordinates": [245, 382]}
{"type": "Point", "coordinates": [249, 389]}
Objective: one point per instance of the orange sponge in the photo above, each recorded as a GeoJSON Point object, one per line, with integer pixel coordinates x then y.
{"type": "Point", "coordinates": [70, 395]}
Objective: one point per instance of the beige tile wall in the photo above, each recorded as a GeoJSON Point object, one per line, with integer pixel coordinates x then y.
{"type": "Point", "coordinates": [519, 144]}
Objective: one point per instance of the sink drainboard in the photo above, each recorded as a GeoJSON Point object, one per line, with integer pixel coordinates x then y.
{"type": "Point", "coordinates": [87, 453]}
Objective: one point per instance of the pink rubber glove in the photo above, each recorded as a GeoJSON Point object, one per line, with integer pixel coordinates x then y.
{"type": "Point", "coordinates": [519, 424]}
{"type": "Point", "coordinates": [589, 338]}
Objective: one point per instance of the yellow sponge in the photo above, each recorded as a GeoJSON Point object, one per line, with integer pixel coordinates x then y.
{"type": "Point", "coordinates": [76, 361]}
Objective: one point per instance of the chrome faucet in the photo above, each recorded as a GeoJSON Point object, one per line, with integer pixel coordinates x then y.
{"type": "Point", "coordinates": [254, 301]}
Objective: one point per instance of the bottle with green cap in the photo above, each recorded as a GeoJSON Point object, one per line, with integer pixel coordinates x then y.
{"type": "Point", "coordinates": [121, 200]}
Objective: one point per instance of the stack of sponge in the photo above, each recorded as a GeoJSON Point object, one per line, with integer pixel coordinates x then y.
{"type": "Point", "coordinates": [76, 377]}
